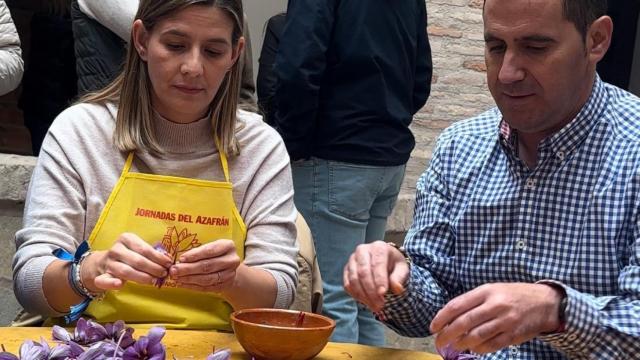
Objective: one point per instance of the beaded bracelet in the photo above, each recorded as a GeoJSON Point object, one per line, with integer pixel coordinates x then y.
{"type": "Point", "coordinates": [75, 280]}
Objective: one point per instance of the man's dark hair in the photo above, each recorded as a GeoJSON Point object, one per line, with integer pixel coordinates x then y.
{"type": "Point", "coordinates": [582, 13]}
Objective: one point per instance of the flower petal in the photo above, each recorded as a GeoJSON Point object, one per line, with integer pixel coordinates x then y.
{"type": "Point", "coordinates": [61, 334]}
{"type": "Point", "coordinates": [156, 334]}
{"type": "Point", "coordinates": [7, 356]}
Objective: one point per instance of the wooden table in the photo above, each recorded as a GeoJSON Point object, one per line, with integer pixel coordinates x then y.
{"type": "Point", "coordinates": [187, 344]}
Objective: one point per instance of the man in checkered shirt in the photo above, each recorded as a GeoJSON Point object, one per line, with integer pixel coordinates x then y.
{"type": "Point", "coordinates": [525, 238]}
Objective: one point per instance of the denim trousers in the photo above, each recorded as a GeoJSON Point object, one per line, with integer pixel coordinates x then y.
{"type": "Point", "coordinates": [345, 205]}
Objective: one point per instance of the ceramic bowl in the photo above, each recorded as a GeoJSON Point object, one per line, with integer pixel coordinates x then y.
{"type": "Point", "coordinates": [276, 334]}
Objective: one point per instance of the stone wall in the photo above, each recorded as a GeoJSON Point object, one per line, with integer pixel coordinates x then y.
{"type": "Point", "coordinates": [458, 91]}
{"type": "Point", "coordinates": [14, 178]}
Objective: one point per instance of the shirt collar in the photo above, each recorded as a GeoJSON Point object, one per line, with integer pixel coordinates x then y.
{"type": "Point", "coordinates": [573, 134]}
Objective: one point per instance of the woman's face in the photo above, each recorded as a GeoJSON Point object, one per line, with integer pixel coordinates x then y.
{"type": "Point", "coordinates": [188, 55]}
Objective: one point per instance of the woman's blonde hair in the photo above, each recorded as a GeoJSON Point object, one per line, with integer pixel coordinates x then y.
{"type": "Point", "coordinates": [132, 88]}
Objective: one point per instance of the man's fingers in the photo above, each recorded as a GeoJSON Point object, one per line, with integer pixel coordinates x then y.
{"type": "Point", "coordinates": [480, 333]}
{"type": "Point", "coordinates": [398, 277]}
{"type": "Point", "coordinates": [365, 272]}
{"type": "Point", "coordinates": [456, 308]}
{"type": "Point", "coordinates": [466, 323]}
{"type": "Point", "coordinates": [380, 271]}
{"type": "Point", "coordinates": [500, 341]}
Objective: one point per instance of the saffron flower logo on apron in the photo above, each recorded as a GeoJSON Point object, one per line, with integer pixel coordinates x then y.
{"type": "Point", "coordinates": [173, 244]}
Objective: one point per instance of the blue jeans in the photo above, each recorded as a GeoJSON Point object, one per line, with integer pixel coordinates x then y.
{"type": "Point", "coordinates": [345, 205]}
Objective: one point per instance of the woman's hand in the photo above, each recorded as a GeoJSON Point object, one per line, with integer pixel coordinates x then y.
{"type": "Point", "coordinates": [129, 259]}
{"type": "Point", "coordinates": [210, 267]}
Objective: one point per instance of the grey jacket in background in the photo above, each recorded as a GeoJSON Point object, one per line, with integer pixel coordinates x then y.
{"type": "Point", "coordinates": [11, 63]}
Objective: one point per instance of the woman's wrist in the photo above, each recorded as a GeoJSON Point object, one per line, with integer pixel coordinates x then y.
{"type": "Point", "coordinates": [90, 269]}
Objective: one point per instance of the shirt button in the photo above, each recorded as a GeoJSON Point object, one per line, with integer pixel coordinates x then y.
{"type": "Point", "coordinates": [530, 184]}
{"type": "Point", "coordinates": [513, 350]}
{"type": "Point", "coordinates": [521, 245]}
{"type": "Point", "coordinates": [572, 337]}
{"type": "Point", "coordinates": [561, 155]}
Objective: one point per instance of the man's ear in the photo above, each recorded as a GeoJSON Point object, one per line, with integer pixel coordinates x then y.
{"type": "Point", "coordinates": [140, 38]}
{"type": "Point", "coordinates": [599, 38]}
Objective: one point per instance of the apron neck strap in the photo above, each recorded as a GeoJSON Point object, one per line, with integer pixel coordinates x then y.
{"type": "Point", "coordinates": [127, 164]}
{"type": "Point", "coordinates": [223, 160]}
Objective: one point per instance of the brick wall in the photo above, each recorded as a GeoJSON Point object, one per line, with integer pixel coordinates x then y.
{"type": "Point", "coordinates": [459, 82]}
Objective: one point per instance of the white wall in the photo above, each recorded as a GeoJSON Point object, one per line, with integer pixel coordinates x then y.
{"type": "Point", "coordinates": [258, 12]}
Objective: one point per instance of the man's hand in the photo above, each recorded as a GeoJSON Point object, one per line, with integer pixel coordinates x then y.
{"type": "Point", "coordinates": [372, 270]}
{"type": "Point", "coordinates": [494, 316]}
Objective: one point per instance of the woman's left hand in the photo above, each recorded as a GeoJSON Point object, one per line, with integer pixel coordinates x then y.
{"type": "Point", "coordinates": [210, 267]}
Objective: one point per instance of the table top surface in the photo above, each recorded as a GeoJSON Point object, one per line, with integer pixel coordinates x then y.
{"type": "Point", "coordinates": [189, 344]}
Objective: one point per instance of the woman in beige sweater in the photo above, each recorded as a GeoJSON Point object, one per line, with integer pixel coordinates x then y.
{"type": "Point", "coordinates": [185, 202]}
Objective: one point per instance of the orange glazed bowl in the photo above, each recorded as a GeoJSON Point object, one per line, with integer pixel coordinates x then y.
{"type": "Point", "coordinates": [275, 334]}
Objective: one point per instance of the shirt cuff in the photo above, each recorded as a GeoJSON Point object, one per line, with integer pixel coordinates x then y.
{"type": "Point", "coordinates": [396, 306]}
{"type": "Point", "coordinates": [581, 323]}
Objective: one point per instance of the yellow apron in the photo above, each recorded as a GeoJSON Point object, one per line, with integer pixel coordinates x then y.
{"type": "Point", "coordinates": [183, 214]}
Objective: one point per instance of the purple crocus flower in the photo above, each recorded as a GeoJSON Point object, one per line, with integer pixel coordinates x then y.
{"type": "Point", "coordinates": [5, 355]}
{"type": "Point", "coordinates": [88, 332]}
{"type": "Point", "coordinates": [120, 334]}
{"type": "Point", "coordinates": [222, 354]}
{"type": "Point", "coordinates": [65, 351]}
{"type": "Point", "coordinates": [449, 353]}
{"type": "Point", "coordinates": [101, 351]}
{"type": "Point", "coordinates": [30, 350]}
{"type": "Point", "coordinates": [60, 334]}
{"type": "Point", "coordinates": [159, 247]}
{"type": "Point", "coordinates": [147, 347]}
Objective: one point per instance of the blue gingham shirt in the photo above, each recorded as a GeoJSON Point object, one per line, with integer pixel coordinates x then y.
{"type": "Point", "coordinates": [483, 217]}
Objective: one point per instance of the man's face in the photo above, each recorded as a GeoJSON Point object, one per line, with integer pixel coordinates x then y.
{"type": "Point", "coordinates": [538, 70]}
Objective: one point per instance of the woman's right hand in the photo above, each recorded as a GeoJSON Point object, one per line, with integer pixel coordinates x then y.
{"type": "Point", "coordinates": [129, 259]}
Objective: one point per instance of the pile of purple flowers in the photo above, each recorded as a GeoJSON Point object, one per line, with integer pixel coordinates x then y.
{"type": "Point", "coordinates": [92, 341]}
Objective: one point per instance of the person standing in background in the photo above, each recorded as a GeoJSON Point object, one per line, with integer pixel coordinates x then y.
{"type": "Point", "coordinates": [351, 74]}
{"type": "Point", "coordinates": [615, 67]}
{"type": "Point", "coordinates": [102, 29]}
{"type": "Point", "coordinates": [11, 63]}
{"type": "Point", "coordinates": [267, 79]}
{"type": "Point", "coordinates": [49, 83]}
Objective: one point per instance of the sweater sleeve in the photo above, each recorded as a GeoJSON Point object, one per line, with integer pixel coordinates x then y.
{"type": "Point", "coordinates": [116, 15]}
{"type": "Point", "coordinates": [269, 212]}
{"type": "Point", "coordinates": [54, 217]}
{"type": "Point", "coordinates": [11, 63]}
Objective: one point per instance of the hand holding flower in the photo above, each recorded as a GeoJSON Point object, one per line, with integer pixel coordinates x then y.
{"type": "Point", "coordinates": [210, 267]}
{"type": "Point", "coordinates": [129, 259]}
